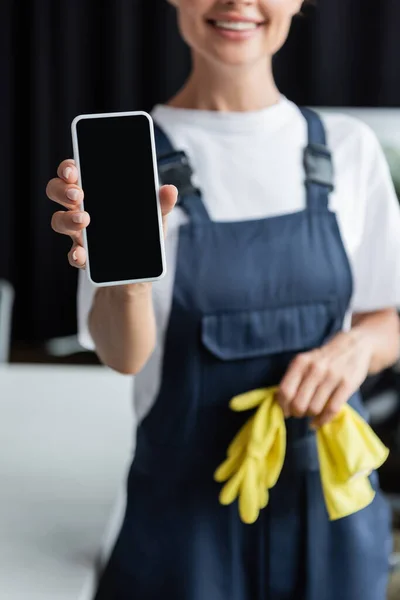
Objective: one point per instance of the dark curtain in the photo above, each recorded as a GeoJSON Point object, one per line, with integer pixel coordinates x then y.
{"type": "Point", "coordinates": [60, 58]}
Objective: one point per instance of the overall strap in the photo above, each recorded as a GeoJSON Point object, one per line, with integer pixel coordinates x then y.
{"type": "Point", "coordinates": [174, 168]}
{"type": "Point", "coordinates": [318, 163]}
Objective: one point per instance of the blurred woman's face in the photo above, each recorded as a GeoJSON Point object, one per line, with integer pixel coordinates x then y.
{"type": "Point", "coordinates": [235, 32]}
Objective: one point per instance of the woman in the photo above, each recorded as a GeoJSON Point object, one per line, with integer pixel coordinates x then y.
{"type": "Point", "coordinates": [263, 288]}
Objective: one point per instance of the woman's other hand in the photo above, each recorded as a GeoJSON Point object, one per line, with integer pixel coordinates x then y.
{"type": "Point", "coordinates": [319, 382]}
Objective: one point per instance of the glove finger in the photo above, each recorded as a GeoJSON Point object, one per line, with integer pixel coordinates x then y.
{"type": "Point", "coordinates": [249, 500]}
{"type": "Point", "coordinates": [241, 439]}
{"type": "Point", "coordinates": [248, 400]}
{"type": "Point", "coordinates": [229, 467]}
{"type": "Point", "coordinates": [230, 491]}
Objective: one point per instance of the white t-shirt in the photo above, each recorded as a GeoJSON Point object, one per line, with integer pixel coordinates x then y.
{"type": "Point", "coordinates": [249, 165]}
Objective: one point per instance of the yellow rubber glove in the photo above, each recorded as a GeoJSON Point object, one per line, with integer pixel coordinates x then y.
{"type": "Point", "coordinates": [348, 452]}
{"type": "Point", "coordinates": [256, 455]}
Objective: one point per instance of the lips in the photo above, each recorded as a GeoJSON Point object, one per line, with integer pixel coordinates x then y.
{"type": "Point", "coordinates": [235, 30]}
{"type": "Point", "coordinates": [235, 24]}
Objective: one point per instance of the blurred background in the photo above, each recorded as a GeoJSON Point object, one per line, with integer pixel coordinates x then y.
{"type": "Point", "coordinates": [60, 58]}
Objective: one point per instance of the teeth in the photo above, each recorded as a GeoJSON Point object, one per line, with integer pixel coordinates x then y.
{"type": "Point", "coordinates": [236, 25]}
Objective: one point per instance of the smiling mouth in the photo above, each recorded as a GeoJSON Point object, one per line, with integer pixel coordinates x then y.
{"type": "Point", "coordinates": [235, 25]}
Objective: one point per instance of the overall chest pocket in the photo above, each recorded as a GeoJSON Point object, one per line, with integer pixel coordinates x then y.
{"type": "Point", "coordinates": [249, 349]}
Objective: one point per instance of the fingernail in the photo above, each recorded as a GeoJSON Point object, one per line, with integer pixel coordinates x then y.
{"type": "Point", "coordinates": [67, 172]}
{"type": "Point", "coordinates": [73, 194]}
{"type": "Point", "coordinates": [77, 218]}
{"type": "Point", "coordinates": [75, 256]}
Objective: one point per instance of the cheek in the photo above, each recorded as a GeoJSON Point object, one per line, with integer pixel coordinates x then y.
{"type": "Point", "coordinates": [278, 34]}
{"type": "Point", "coordinates": [280, 14]}
{"type": "Point", "coordinates": [282, 10]}
{"type": "Point", "coordinates": [290, 7]}
{"type": "Point", "coordinates": [190, 21]}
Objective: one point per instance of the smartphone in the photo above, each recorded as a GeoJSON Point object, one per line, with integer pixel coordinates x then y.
{"type": "Point", "coordinates": [115, 155]}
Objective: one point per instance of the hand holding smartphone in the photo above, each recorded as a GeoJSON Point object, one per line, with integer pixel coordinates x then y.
{"type": "Point", "coordinates": [117, 168]}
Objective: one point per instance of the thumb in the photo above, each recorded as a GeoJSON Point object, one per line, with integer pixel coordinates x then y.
{"type": "Point", "coordinates": [168, 198]}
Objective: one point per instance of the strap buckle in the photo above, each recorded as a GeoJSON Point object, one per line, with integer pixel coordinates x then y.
{"type": "Point", "coordinates": [319, 166]}
{"type": "Point", "coordinates": [174, 169]}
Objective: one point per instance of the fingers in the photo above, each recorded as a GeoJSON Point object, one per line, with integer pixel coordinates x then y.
{"type": "Point", "coordinates": [333, 406]}
{"type": "Point", "coordinates": [290, 383]}
{"type": "Point", "coordinates": [64, 188]}
{"type": "Point", "coordinates": [316, 388]}
{"type": "Point", "coordinates": [322, 395]}
{"type": "Point", "coordinates": [77, 256]}
{"type": "Point", "coordinates": [68, 171]}
{"type": "Point", "coordinates": [318, 383]}
{"type": "Point", "coordinates": [70, 196]}
{"type": "Point", "coordinates": [65, 191]}
{"type": "Point", "coordinates": [300, 405]}
{"type": "Point", "coordinates": [70, 223]}
{"type": "Point", "coordinates": [307, 386]}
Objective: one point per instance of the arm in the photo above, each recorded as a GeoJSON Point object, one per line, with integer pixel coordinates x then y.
{"type": "Point", "coordinates": [318, 383]}
{"type": "Point", "coordinates": [380, 331]}
{"type": "Point", "coordinates": [121, 320]}
{"type": "Point", "coordinates": [122, 325]}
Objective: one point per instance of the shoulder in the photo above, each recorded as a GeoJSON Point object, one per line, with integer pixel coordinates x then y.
{"type": "Point", "coordinates": [348, 133]}
{"type": "Point", "coordinates": [356, 150]}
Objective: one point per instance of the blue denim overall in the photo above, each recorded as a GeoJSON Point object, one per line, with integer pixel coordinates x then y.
{"type": "Point", "coordinates": [248, 296]}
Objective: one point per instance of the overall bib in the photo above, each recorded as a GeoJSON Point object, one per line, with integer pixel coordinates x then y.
{"type": "Point", "coordinates": [248, 297]}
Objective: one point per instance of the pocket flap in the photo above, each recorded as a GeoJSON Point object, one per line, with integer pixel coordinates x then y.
{"type": "Point", "coordinates": [247, 334]}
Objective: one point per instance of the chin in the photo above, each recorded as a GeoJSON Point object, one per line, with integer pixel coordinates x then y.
{"type": "Point", "coordinates": [236, 59]}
